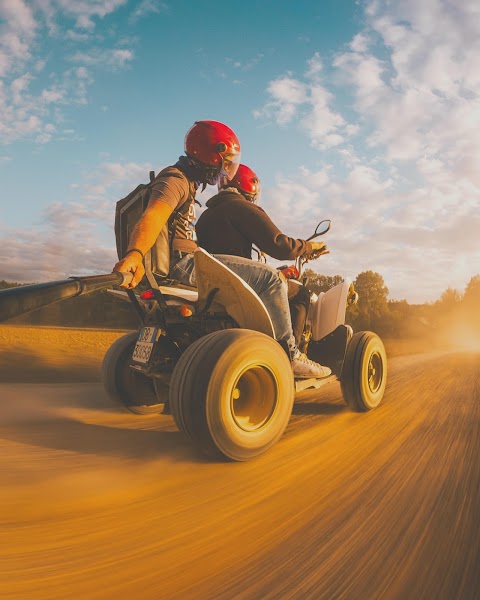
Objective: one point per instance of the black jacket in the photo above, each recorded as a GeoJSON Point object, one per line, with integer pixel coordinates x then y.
{"type": "Point", "coordinates": [231, 224]}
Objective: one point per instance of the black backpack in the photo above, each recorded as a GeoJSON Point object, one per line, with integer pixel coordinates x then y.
{"type": "Point", "coordinates": [129, 210]}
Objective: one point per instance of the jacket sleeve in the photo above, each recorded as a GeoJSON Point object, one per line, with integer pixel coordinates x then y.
{"type": "Point", "coordinates": [254, 223]}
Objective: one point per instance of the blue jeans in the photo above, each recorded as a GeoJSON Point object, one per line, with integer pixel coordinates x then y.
{"type": "Point", "coordinates": [265, 280]}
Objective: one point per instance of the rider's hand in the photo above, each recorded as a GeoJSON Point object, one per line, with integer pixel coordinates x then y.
{"type": "Point", "coordinates": [318, 248]}
{"type": "Point", "coordinates": [132, 263]}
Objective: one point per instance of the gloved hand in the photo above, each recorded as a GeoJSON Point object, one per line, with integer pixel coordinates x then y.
{"type": "Point", "coordinates": [318, 248]}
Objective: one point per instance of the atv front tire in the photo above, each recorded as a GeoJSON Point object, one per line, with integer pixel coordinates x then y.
{"type": "Point", "coordinates": [232, 393]}
{"type": "Point", "coordinates": [364, 373]}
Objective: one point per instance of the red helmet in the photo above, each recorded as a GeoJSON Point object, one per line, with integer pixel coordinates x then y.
{"type": "Point", "coordinates": [214, 144]}
{"type": "Point", "coordinates": [246, 182]}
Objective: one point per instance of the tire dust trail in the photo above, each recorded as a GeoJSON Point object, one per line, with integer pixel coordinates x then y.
{"type": "Point", "coordinates": [98, 503]}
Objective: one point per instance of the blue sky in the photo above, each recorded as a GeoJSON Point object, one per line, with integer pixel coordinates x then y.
{"type": "Point", "coordinates": [363, 112]}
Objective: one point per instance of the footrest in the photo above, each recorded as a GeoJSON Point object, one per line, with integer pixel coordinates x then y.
{"type": "Point", "coordinates": [305, 384]}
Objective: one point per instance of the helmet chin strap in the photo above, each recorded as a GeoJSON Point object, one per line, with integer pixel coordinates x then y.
{"type": "Point", "coordinates": [213, 175]}
{"type": "Point", "coordinates": [201, 174]}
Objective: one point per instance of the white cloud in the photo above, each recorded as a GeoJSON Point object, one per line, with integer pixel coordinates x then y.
{"type": "Point", "coordinates": [17, 30]}
{"type": "Point", "coordinates": [109, 58]}
{"type": "Point", "coordinates": [415, 240]}
{"type": "Point", "coordinates": [309, 104]}
{"type": "Point", "coordinates": [423, 97]}
{"type": "Point", "coordinates": [405, 193]}
{"type": "Point", "coordinates": [24, 114]}
{"type": "Point", "coordinates": [287, 95]}
{"type": "Point", "coordinates": [73, 238]}
{"type": "Point", "coordinates": [245, 64]}
{"type": "Point", "coordinates": [77, 36]}
{"type": "Point", "coordinates": [315, 67]}
{"type": "Point", "coordinates": [84, 11]}
{"type": "Point", "coordinates": [31, 94]}
{"type": "Point", "coordinates": [113, 179]}
{"type": "Point", "coordinates": [148, 7]}
{"type": "Point", "coordinates": [359, 43]}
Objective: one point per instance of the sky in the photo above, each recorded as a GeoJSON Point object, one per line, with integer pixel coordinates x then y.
{"type": "Point", "coordinates": [364, 112]}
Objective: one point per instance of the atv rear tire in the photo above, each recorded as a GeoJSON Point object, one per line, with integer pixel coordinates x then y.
{"type": "Point", "coordinates": [232, 393]}
{"type": "Point", "coordinates": [124, 385]}
{"type": "Point", "coordinates": [364, 373]}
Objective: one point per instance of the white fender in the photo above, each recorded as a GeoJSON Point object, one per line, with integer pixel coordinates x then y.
{"type": "Point", "coordinates": [327, 312]}
{"type": "Point", "coordinates": [235, 296]}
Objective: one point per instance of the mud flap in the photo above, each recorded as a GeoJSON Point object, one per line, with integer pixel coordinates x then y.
{"type": "Point", "coordinates": [330, 350]}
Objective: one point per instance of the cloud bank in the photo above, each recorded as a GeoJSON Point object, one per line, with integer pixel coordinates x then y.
{"type": "Point", "coordinates": [407, 203]}
{"type": "Point", "coordinates": [33, 91]}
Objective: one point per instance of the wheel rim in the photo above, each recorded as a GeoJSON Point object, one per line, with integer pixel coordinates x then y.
{"type": "Point", "coordinates": [375, 372]}
{"type": "Point", "coordinates": [253, 398]}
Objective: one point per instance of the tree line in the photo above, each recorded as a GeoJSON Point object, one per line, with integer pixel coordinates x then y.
{"type": "Point", "coordinates": [397, 318]}
{"type": "Point", "coordinates": [374, 310]}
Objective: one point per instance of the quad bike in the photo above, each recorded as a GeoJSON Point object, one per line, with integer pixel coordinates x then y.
{"type": "Point", "coordinates": [209, 357]}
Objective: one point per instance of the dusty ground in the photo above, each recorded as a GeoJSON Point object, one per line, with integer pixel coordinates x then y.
{"type": "Point", "coordinates": [45, 354]}
{"type": "Point", "coordinates": [41, 354]}
{"type": "Point", "coordinates": [98, 504]}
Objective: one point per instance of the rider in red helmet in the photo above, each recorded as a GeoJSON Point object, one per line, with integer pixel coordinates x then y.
{"type": "Point", "coordinates": [212, 151]}
{"type": "Point", "coordinates": [215, 147]}
{"type": "Point", "coordinates": [233, 222]}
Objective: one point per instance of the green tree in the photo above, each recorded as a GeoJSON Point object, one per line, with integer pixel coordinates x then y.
{"type": "Point", "coordinates": [372, 307]}
{"type": "Point", "coordinates": [6, 284]}
{"type": "Point", "coordinates": [450, 299]}
{"type": "Point", "coordinates": [471, 303]}
{"type": "Point", "coordinates": [472, 292]}
{"type": "Point", "coordinates": [321, 283]}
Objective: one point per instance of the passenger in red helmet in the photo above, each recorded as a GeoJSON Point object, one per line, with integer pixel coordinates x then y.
{"type": "Point", "coordinates": [245, 181]}
{"type": "Point", "coordinates": [233, 222]}
{"type": "Point", "coordinates": [232, 226]}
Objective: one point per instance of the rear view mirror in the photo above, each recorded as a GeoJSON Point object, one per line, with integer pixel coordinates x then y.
{"type": "Point", "coordinates": [321, 229]}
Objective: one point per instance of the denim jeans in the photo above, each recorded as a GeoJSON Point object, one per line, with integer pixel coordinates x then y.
{"type": "Point", "coordinates": [265, 280]}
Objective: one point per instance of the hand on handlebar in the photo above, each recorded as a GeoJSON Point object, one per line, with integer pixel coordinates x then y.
{"type": "Point", "coordinates": [318, 248]}
{"type": "Point", "coordinates": [132, 263]}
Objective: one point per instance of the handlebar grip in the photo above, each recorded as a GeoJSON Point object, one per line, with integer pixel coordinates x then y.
{"type": "Point", "coordinates": [127, 277]}
{"type": "Point", "coordinates": [124, 277]}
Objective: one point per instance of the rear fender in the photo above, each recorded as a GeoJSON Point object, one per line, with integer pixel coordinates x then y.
{"type": "Point", "coordinates": [233, 295]}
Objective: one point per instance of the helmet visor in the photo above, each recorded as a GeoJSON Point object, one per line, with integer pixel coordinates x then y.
{"type": "Point", "coordinates": [229, 166]}
{"type": "Point", "coordinates": [255, 196]}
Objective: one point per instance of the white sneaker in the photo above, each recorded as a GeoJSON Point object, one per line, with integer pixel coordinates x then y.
{"type": "Point", "coordinates": [305, 368]}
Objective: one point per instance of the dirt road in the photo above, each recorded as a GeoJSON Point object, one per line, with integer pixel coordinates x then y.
{"type": "Point", "coordinates": [96, 503]}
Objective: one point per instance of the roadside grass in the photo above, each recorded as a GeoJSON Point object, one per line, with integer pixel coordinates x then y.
{"type": "Point", "coordinates": [50, 354]}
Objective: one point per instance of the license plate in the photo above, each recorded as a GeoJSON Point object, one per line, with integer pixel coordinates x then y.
{"type": "Point", "coordinates": [147, 337]}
